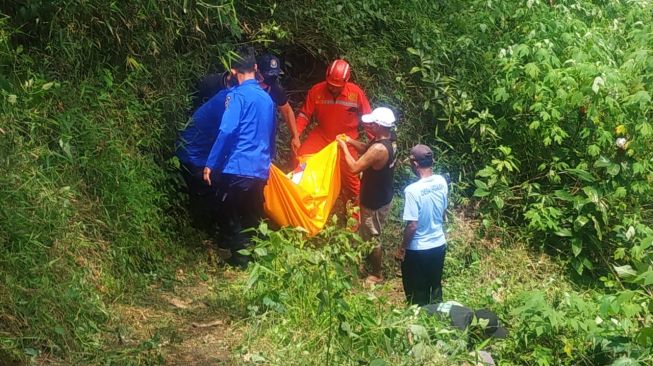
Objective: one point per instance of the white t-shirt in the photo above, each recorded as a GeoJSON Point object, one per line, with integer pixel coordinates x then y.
{"type": "Point", "coordinates": [426, 201]}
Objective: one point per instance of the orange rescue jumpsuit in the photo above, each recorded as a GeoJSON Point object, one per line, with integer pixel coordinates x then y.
{"type": "Point", "coordinates": [334, 115]}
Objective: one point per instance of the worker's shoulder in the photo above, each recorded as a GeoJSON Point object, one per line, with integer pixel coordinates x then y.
{"type": "Point", "coordinates": [352, 87]}
{"type": "Point", "coordinates": [318, 88]}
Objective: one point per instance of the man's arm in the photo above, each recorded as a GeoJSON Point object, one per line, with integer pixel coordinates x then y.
{"type": "Point", "coordinates": [305, 112]}
{"type": "Point", "coordinates": [289, 117]}
{"type": "Point", "coordinates": [224, 141]}
{"type": "Point", "coordinates": [409, 234]}
{"type": "Point", "coordinates": [411, 215]}
{"type": "Point", "coordinates": [375, 154]}
{"type": "Point", "coordinates": [358, 145]}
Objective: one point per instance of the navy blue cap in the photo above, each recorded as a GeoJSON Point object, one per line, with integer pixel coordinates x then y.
{"type": "Point", "coordinates": [269, 65]}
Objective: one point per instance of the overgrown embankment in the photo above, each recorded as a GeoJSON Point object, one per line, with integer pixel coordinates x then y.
{"type": "Point", "coordinates": [92, 97]}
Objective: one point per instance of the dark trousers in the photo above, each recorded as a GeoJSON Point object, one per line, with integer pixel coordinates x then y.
{"type": "Point", "coordinates": [421, 272]}
{"type": "Point", "coordinates": [203, 202]}
{"type": "Point", "coordinates": [241, 208]}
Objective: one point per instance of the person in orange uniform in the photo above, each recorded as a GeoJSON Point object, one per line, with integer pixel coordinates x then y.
{"type": "Point", "coordinates": [337, 106]}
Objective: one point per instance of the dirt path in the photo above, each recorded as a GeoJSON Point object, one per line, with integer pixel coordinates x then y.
{"type": "Point", "coordinates": [187, 321]}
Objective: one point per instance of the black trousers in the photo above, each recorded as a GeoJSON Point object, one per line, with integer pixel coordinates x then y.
{"type": "Point", "coordinates": [203, 202]}
{"type": "Point", "coordinates": [241, 208]}
{"type": "Point", "coordinates": [421, 272]}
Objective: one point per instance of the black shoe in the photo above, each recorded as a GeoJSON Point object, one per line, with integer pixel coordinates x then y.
{"type": "Point", "coordinates": [238, 260]}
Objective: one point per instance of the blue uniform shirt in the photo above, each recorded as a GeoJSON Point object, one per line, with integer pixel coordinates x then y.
{"type": "Point", "coordinates": [245, 142]}
{"type": "Point", "coordinates": [197, 138]}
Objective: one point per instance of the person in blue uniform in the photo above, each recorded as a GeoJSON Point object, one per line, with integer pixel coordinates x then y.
{"type": "Point", "coordinates": [193, 147]}
{"type": "Point", "coordinates": [207, 87]}
{"type": "Point", "coordinates": [242, 153]}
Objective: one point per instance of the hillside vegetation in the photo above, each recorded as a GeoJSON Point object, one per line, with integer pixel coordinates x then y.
{"type": "Point", "coordinates": [539, 111]}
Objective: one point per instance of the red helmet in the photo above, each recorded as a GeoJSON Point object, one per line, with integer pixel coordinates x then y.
{"type": "Point", "coordinates": [338, 73]}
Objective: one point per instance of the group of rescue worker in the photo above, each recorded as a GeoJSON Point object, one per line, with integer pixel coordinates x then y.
{"type": "Point", "coordinates": [227, 147]}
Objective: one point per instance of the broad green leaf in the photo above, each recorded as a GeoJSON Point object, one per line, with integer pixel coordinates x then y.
{"type": "Point", "coordinates": [580, 222]}
{"type": "Point", "coordinates": [578, 266]}
{"type": "Point", "coordinates": [614, 169]}
{"type": "Point", "coordinates": [480, 192]}
{"type": "Point", "coordinates": [630, 232]}
{"type": "Point", "coordinates": [564, 232]}
{"type": "Point", "coordinates": [620, 192]}
{"type": "Point", "coordinates": [499, 202]}
{"type": "Point", "coordinates": [602, 162]}
{"type": "Point", "coordinates": [532, 70]}
{"type": "Point", "coordinates": [564, 195]}
{"type": "Point", "coordinates": [645, 129]}
{"type": "Point", "coordinates": [645, 278]}
{"type": "Point", "coordinates": [625, 271]}
{"type": "Point", "coordinates": [593, 150]}
{"type": "Point", "coordinates": [576, 247]}
{"type": "Point", "coordinates": [582, 174]}
{"type": "Point", "coordinates": [597, 227]}
{"type": "Point", "coordinates": [413, 51]}
{"type": "Point", "coordinates": [642, 97]}
{"type": "Point", "coordinates": [645, 337]}
{"type": "Point", "coordinates": [646, 242]}
{"type": "Point", "coordinates": [592, 194]}
{"type": "Point", "coordinates": [500, 94]}
{"type": "Point", "coordinates": [486, 172]}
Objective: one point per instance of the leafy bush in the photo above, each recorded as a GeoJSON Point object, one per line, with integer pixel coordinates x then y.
{"type": "Point", "coordinates": [305, 298]}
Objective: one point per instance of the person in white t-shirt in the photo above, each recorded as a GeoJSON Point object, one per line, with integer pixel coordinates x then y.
{"type": "Point", "coordinates": [424, 246]}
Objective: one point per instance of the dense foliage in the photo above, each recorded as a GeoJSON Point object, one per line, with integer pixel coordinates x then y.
{"type": "Point", "coordinates": [540, 111]}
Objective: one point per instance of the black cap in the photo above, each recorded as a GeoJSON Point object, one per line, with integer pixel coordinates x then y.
{"type": "Point", "coordinates": [269, 65]}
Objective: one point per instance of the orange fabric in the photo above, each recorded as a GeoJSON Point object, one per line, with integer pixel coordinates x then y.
{"type": "Point", "coordinates": [308, 203]}
{"type": "Point", "coordinates": [334, 115]}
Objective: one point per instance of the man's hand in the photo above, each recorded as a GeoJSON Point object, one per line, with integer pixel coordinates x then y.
{"type": "Point", "coordinates": [400, 254]}
{"type": "Point", "coordinates": [342, 143]}
{"type": "Point", "coordinates": [295, 144]}
{"type": "Point", "coordinates": [342, 139]}
{"type": "Point", "coordinates": [207, 175]}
